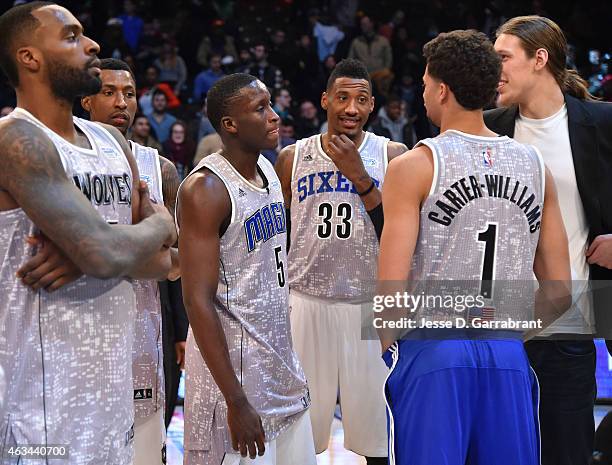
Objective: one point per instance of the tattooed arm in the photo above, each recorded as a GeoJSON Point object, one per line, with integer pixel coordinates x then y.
{"type": "Point", "coordinates": [158, 266]}
{"type": "Point", "coordinates": [34, 177]}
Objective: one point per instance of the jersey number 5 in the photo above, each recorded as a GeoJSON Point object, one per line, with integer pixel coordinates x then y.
{"type": "Point", "coordinates": [326, 211]}
{"type": "Point", "coordinates": [280, 267]}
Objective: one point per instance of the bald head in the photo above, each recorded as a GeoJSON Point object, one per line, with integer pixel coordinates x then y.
{"type": "Point", "coordinates": [17, 25]}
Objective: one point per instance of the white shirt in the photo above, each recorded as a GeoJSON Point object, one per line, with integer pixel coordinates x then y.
{"type": "Point", "coordinates": [551, 136]}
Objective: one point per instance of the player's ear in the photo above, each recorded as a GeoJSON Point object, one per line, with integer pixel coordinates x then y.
{"type": "Point", "coordinates": [29, 57]}
{"type": "Point", "coordinates": [371, 104]}
{"type": "Point", "coordinates": [324, 101]}
{"type": "Point", "coordinates": [229, 125]}
{"type": "Point", "coordinates": [86, 103]}
{"type": "Point", "coordinates": [444, 92]}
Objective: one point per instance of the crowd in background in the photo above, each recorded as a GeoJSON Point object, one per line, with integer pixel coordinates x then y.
{"type": "Point", "coordinates": [179, 49]}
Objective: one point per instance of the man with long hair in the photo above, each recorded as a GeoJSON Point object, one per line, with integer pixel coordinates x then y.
{"type": "Point", "coordinates": [549, 106]}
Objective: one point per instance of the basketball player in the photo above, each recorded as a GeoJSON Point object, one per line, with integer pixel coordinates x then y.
{"type": "Point", "coordinates": [67, 380]}
{"type": "Point", "coordinates": [455, 400]}
{"type": "Point", "coordinates": [246, 394]}
{"type": "Point", "coordinates": [331, 186]}
{"type": "Point", "coordinates": [116, 105]}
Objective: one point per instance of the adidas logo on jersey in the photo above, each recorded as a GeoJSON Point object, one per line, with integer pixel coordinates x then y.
{"type": "Point", "coordinates": [142, 394]}
{"type": "Point", "coordinates": [307, 157]}
{"type": "Point", "coordinates": [241, 193]}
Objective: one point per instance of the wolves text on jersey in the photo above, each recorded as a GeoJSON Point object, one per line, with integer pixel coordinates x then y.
{"type": "Point", "coordinates": [105, 188]}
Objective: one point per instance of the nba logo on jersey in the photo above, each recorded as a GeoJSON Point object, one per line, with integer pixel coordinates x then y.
{"type": "Point", "coordinates": [487, 157]}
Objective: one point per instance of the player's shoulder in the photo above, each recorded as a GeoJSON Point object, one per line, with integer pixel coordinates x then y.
{"type": "Point", "coordinates": [286, 155]}
{"type": "Point", "coordinates": [203, 182]}
{"type": "Point", "coordinates": [395, 149]}
{"type": "Point", "coordinates": [419, 157]}
{"type": "Point", "coordinates": [19, 132]}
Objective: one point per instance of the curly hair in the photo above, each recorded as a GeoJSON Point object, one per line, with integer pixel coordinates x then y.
{"type": "Point", "coordinates": [467, 62]}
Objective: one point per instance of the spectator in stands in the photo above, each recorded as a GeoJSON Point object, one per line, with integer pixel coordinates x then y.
{"type": "Point", "coordinates": [145, 100]}
{"type": "Point", "coordinates": [282, 54]}
{"type": "Point", "coordinates": [160, 120]}
{"type": "Point", "coordinates": [244, 60]}
{"type": "Point", "coordinates": [113, 45]}
{"type": "Point", "coordinates": [172, 69]}
{"type": "Point", "coordinates": [216, 43]}
{"type": "Point", "coordinates": [282, 102]}
{"type": "Point", "coordinates": [286, 137]}
{"type": "Point", "coordinates": [210, 143]}
{"type": "Point", "coordinates": [328, 37]}
{"type": "Point", "coordinates": [269, 74]}
{"type": "Point", "coordinates": [309, 121]}
{"type": "Point", "coordinates": [306, 69]}
{"type": "Point", "coordinates": [140, 133]}
{"type": "Point", "coordinates": [132, 25]}
{"type": "Point", "coordinates": [150, 44]}
{"type": "Point", "coordinates": [205, 127]}
{"type": "Point", "coordinates": [207, 78]}
{"type": "Point", "coordinates": [370, 48]}
{"type": "Point", "coordinates": [179, 148]}
{"type": "Point", "coordinates": [391, 122]}
{"type": "Point", "coordinates": [375, 51]}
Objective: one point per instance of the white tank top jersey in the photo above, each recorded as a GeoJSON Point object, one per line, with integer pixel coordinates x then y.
{"type": "Point", "coordinates": [253, 306]}
{"type": "Point", "coordinates": [334, 249]}
{"type": "Point", "coordinates": [66, 355]}
{"type": "Point", "coordinates": [480, 225]}
{"type": "Point", "coordinates": [147, 354]}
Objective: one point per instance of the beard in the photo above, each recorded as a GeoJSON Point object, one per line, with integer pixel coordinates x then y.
{"type": "Point", "coordinates": [68, 83]}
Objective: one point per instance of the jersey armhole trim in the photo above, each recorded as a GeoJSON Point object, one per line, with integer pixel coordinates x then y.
{"type": "Point", "coordinates": [386, 156]}
{"type": "Point", "coordinates": [434, 154]}
{"type": "Point", "coordinates": [229, 192]}
{"type": "Point", "coordinates": [542, 170]}
{"type": "Point", "coordinates": [158, 163]}
{"type": "Point", "coordinates": [295, 159]}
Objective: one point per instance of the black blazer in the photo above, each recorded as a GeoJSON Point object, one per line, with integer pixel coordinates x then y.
{"type": "Point", "coordinates": [590, 134]}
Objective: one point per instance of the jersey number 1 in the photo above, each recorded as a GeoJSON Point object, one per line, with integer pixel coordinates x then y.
{"type": "Point", "coordinates": [489, 237]}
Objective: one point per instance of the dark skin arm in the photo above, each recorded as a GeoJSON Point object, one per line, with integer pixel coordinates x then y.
{"type": "Point", "coordinates": [158, 266]}
{"type": "Point", "coordinates": [50, 269]}
{"type": "Point", "coordinates": [31, 166]}
{"type": "Point", "coordinates": [204, 209]}
{"type": "Point", "coordinates": [170, 185]}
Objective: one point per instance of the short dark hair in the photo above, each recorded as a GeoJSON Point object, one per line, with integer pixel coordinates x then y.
{"type": "Point", "coordinates": [157, 91]}
{"type": "Point", "coordinates": [16, 24]}
{"type": "Point", "coordinates": [140, 115]}
{"type": "Point", "coordinates": [349, 68]}
{"type": "Point", "coordinates": [220, 95]}
{"type": "Point", "coordinates": [467, 62]}
{"type": "Point", "coordinates": [114, 64]}
{"type": "Point", "coordinates": [393, 98]}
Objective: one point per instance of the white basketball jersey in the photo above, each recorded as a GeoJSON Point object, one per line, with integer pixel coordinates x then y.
{"type": "Point", "coordinates": [65, 356]}
{"type": "Point", "coordinates": [480, 225]}
{"type": "Point", "coordinates": [253, 307]}
{"type": "Point", "coordinates": [334, 248]}
{"type": "Point", "coordinates": [148, 356]}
